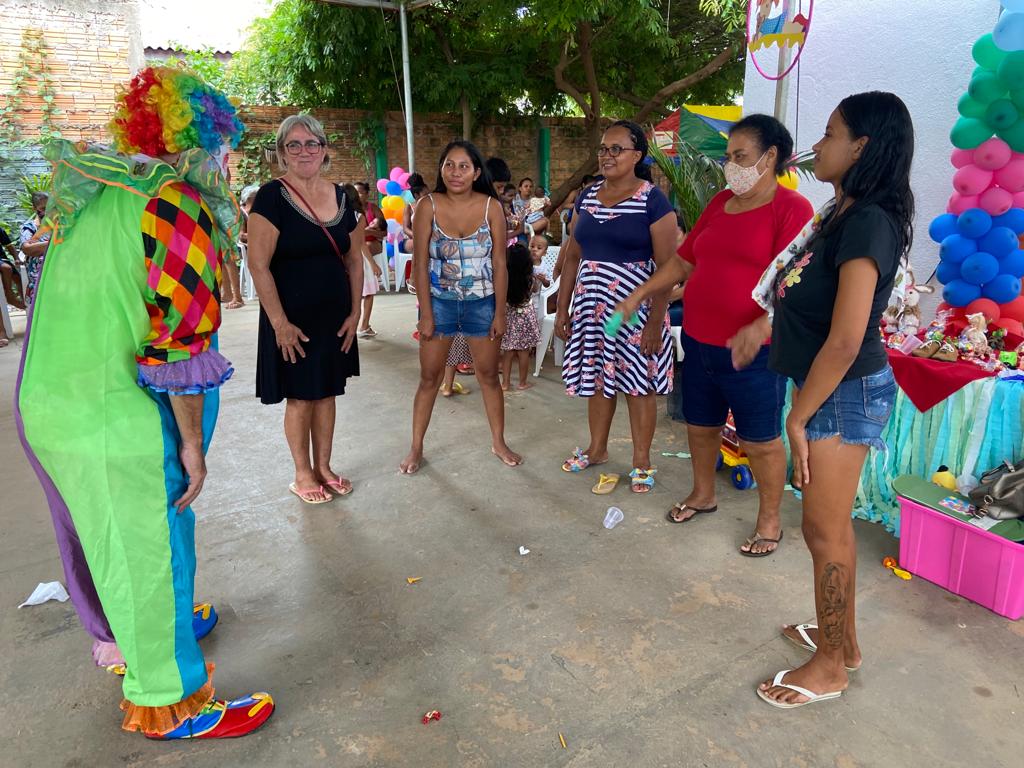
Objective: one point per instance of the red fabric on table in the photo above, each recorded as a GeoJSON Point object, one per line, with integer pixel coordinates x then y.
{"type": "Point", "coordinates": [928, 382]}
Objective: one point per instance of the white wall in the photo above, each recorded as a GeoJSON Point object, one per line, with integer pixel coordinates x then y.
{"type": "Point", "coordinates": [919, 50]}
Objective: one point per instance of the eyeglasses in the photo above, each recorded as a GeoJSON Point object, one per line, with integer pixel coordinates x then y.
{"type": "Point", "coordinates": [296, 147]}
{"type": "Point", "coordinates": [614, 150]}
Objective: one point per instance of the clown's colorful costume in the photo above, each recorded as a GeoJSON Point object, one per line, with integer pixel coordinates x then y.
{"type": "Point", "coordinates": [136, 252]}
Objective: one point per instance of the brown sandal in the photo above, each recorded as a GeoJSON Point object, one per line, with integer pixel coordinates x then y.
{"type": "Point", "coordinates": [757, 538]}
{"type": "Point", "coordinates": [680, 507]}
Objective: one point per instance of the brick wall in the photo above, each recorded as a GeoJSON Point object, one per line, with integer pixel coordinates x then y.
{"type": "Point", "coordinates": [91, 46]}
{"type": "Point", "coordinates": [514, 139]}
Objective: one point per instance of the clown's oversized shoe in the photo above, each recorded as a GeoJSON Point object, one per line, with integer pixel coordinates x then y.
{"type": "Point", "coordinates": [224, 719]}
{"type": "Point", "coordinates": [204, 619]}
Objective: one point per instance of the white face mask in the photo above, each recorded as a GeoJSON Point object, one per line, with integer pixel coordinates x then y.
{"type": "Point", "coordinates": [740, 179]}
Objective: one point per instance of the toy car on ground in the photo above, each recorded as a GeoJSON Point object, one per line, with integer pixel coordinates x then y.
{"type": "Point", "coordinates": [732, 456]}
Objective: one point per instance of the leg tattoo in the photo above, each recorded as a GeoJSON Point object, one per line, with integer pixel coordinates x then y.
{"type": "Point", "coordinates": [835, 584]}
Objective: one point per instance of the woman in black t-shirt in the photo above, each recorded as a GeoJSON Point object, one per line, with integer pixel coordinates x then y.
{"type": "Point", "coordinates": [828, 304]}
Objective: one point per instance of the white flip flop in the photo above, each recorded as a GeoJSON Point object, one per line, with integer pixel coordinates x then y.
{"type": "Point", "coordinates": [812, 697]}
{"type": "Point", "coordinates": [807, 644]}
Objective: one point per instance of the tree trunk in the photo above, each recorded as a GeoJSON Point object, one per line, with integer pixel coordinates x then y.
{"type": "Point", "coordinates": [467, 118]}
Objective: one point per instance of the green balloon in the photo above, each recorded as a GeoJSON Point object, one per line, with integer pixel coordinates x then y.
{"type": "Point", "coordinates": [969, 133]}
{"type": "Point", "coordinates": [986, 87]}
{"type": "Point", "coordinates": [1014, 136]}
{"type": "Point", "coordinates": [968, 107]}
{"type": "Point", "coordinates": [987, 53]}
{"type": "Point", "coordinates": [1011, 71]}
{"type": "Point", "coordinates": [1001, 114]}
{"type": "Point", "coordinates": [1017, 97]}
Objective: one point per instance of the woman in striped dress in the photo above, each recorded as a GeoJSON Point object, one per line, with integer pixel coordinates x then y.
{"type": "Point", "coordinates": [624, 227]}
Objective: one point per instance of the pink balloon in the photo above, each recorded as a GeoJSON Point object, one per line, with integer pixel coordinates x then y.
{"type": "Point", "coordinates": [972, 180]}
{"type": "Point", "coordinates": [382, 186]}
{"type": "Point", "coordinates": [1011, 176]}
{"type": "Point", "coordinates": [962, 157]}
{"type": "Point", "coordinates": [995, 201]}
{"type": "Point", "coordinates": [1018, 200]}
{"type": "Point", "coordinates": [959, 203]}
{"type": "Point", "coordinates": [404, 180]}
{"type": "Point", "coordinates": [396, 173]}
{"type": "Point", "coordinates": [993, 154]}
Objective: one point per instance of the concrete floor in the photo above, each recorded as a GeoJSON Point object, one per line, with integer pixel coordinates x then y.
{"type": "Point", "coordinates": [642, 645]}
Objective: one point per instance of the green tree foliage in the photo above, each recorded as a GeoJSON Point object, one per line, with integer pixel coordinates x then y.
{"type": "Point", "coordinates": [596, 58]}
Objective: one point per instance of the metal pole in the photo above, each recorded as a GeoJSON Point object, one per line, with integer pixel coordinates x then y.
{"type": "Point", "coordinates": [408, 85]}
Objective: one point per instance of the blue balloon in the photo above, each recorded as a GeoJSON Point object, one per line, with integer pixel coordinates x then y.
{"type": "Point", "coordinates": [957, 293]}
{"type": "Point", "coordinates": [1012, 219]}
{"type": "Point", "coordinates": [974, 223]}
{"type": "Point", "coordinates": [999, 241]}
{"type": "Point", "coordinates": [1002, 289]}
{"type": "Point", "coordinates": [407, 196]}
{"type": "Point", "coordinates": [393, 188]}
{"type": "Point", "coordinates": [1009, 32]}
{"type": "Point", "coordinates": [947, 271]}
{"type": "Point", "coordinates": [956, 248]}
{"type": "Point", "coordinates": [943, 226]}
{"type": "Point", "coordinates": [1012, 264]}
{"type": "Point", "coordinates": [390, 249]}
{"type": "Point", "coordinates": [979, 268]}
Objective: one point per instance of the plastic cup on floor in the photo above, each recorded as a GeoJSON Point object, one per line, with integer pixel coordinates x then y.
{"type": "Point", "coordinates": [613, 517]}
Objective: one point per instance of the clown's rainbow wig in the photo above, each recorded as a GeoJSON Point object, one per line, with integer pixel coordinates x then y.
{"type": "Point", "coordinates": [165, 110]}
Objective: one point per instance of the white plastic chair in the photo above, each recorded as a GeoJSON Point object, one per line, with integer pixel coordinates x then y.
{"type": "Point", "coordinates": [245, 282]}
{"type": "Point", "coordinates": [402, 260]}
{"type": "Point", "coordinates": [547, 328]}
{"type": "Point", "coordinates": [5, 317]}
{"type": "Point", "coordinates": [677, 337]}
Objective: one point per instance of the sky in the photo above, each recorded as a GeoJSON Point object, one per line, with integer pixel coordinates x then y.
{"type": "Point", "coordinates": [219, 24]}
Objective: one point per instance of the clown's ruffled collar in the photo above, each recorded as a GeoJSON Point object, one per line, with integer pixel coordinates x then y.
{"type": "Point", "coordinates": [80, 171]}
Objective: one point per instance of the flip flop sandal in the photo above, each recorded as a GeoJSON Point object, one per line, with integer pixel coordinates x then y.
{"type": "Point", "coordinates": [812, 697]}
{"type": "Point", "coordinates": [458, 389]}
{"type": "Point", "coordinates": [577, 462]}
{"type": "Point", "coordinates": [302, 494]}
{"type": "Point", "coordinates": [642, 480]}
{"type": "Point", "coordinates": [671, 516]}
{"type": "Point", "coordinates": [758, 538]}
{"type": "Point", "coordinates": [605, 484]}
{"type": "Point", "coordinates": [807, 644]}
{"type": "Point", "coordinates": [341, 486]}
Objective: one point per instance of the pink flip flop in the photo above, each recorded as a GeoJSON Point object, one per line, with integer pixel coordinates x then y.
{"type": "Point", "coordinates": [304, 494]}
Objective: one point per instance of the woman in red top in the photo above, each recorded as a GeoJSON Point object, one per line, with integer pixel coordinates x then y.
{"type": "Point", "coordinates": [736, 237]}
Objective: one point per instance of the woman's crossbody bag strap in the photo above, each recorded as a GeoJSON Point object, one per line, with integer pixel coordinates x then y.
{"type": "Point", "coordinates": [312, 212]}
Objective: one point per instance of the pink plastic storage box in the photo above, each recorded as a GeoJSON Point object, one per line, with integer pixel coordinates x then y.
{"type": "Point", "coordinates": [963, 558]}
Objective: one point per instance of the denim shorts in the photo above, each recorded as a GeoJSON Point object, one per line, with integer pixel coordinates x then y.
{"type": "Point", "coordinates": [857, 411]}
{"type": "Point", "coordinates": [470, 318]}
{"type": "Point", "coordinates": [711, 387]}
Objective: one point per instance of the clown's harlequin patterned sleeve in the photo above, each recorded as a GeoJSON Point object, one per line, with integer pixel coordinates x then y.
{"type": "Point", "coordinates": [183, 264]}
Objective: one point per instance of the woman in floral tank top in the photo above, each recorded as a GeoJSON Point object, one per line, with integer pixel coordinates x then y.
{"type": "Point", "coordinates": [459, 251]}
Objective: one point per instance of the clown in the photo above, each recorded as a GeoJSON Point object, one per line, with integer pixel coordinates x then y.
{"type": "Point", "coordinates": [116, 400]}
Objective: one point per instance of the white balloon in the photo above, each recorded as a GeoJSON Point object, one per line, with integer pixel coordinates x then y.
{"type": "Point", "coordinates": [1009, 32]}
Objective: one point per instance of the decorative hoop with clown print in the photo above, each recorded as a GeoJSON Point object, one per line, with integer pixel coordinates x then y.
{"type": "Point", "coordinates": [777, 23]}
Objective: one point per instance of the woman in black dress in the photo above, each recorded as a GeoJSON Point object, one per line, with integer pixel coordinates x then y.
{"type": "Point", "coordinates": [305, 256]}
